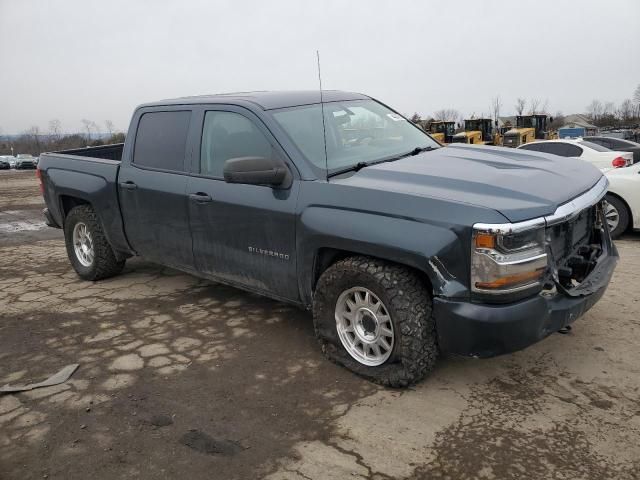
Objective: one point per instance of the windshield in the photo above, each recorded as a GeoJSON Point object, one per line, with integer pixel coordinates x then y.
{"type": "Point", "coordinates": [357, 131]}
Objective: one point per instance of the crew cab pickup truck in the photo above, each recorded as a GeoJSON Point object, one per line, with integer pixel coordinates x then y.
{"type": "Point", "coordinates": [402, 249]}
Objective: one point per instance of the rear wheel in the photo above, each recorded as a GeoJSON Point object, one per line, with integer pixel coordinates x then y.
{"type": "Point", "coordinates": [617, 215]}
{"type": "Point", "coordinates": [88, 249]}
{"type": "Point", "coordinates": [375, 318]}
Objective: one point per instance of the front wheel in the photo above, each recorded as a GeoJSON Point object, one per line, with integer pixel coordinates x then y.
{"type": "Point", "coordinates": [88, 249]}
{"type": "Point", "coordinates": [375, 318]}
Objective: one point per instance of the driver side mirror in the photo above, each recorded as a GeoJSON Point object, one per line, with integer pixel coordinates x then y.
{"type": "Point", "coordinates": [256, 171]}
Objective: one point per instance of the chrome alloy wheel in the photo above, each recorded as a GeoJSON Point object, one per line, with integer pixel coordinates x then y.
{"type": "Point", "coordinates": [364, 326]}
{"type": "Point", "coordinates": [83, 244]}
{"type": "Point", "coordinates": [612, 216]}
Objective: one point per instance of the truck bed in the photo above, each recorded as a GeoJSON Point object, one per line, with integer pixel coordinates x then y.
{"type": "Point", "coordinates": [105, 152]}
{"type": "Point", "coordinates": [85, 176]}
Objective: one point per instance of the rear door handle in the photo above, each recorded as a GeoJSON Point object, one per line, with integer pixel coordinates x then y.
{"type": "Point", "coordinates": [200, 197]}
{"type": "Point", "coordinates": [128, 185]}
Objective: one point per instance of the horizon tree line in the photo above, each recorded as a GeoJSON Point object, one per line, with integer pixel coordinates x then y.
{"type": "Point", "coordinates": [601, 114]}
{"type": "Point", "coordinates": [34, 141]}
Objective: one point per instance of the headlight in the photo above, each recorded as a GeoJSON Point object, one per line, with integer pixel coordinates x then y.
{"type": "Point", "coordinates": [508, 258]}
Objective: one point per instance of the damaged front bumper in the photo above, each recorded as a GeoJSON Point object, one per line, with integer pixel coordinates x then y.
{"type": "Point", "coordinates": [575, 284]}
{"type": "Point", "coordinates": [483, 330]}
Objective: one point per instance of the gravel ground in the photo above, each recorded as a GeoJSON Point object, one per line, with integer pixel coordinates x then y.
{"type": "Point", "coordinates": [183, 377]}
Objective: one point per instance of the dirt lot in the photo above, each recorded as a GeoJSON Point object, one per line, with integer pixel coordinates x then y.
{"type": "Point", "coordinates": [180, 377]}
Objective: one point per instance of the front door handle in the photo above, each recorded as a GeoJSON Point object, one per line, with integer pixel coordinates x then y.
{"type": "Point", "coordinates": [200, 197]}
{"type": "Point", "coordinates": [128, 185]}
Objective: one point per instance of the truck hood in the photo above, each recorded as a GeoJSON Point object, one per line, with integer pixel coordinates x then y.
{"type": "Point", "coordinates": [519, 184]}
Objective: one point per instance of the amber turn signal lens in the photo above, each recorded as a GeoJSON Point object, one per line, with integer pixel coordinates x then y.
{"type": "Point", "coordinates": [512, 280]}
{"type": "Point", "coordinates": [484, 240]}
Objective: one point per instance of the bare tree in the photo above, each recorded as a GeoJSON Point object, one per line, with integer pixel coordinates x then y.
{"type": "Point", "coordinates": [94, 127]}
{"type": "Point", "coordinates": [110, 128]}
{"type": "Point", "coordinates": [534, 103]}
{"type": "Point", "coordinates": [608, 109]}
{"type": "Point", "coordinates": [447, 115]}
{"type": "Point", "coordinates": [88, 124]}
{"type": "Point", "coordinates": [636, 101]}
{"type": "Point", "coordinates": [495, 108]}
{"type": "Point", "coordinates": [594, 110]}
{"type": "Point", "coordinates": [34, 135]}
{"type": "Point", "coordinates": [55, 129]}
{"type": "Point", "coordinates": [557, 121]}
{"type": "Point", "coordinates": [625, 111]}
{"type": "Point", "coordinates": [520, 105]}
{"type": "Point", "coordinates": [545, 106]}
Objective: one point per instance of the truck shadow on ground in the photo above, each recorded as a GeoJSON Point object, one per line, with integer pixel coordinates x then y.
{"type": "Point", "coordinates": [177, 376]}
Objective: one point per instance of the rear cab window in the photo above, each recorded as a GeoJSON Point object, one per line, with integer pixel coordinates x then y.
{"type": "Point", "coordinates": [161, 140]}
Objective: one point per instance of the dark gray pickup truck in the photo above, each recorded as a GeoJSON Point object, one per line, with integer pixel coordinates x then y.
{"type": "Point", "coordinates": [402, 249]}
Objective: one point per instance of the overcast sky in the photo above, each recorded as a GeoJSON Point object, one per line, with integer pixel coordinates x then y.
{"type": "Point", "coordinates": [75, 59]}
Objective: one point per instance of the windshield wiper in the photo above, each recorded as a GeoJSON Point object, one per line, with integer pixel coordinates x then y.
{"type": "Point", "coordinates": [352, 168]}
{"type": "Point", "coordinates": [411, 153]}
{"type": "Point", "coordinates": [361, 165]}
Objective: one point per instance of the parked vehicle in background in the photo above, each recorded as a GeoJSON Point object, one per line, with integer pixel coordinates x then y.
{"type": "Point", "coordinates": [624, 134]}
{"type": "Point", "coordinates": [597, 155]}
{"type": "Point", "coordinates": [442, 131]}
{"type": "Point", "coordinates": [623, 199]}
{"type": "Point", "coordinates": [402, 249]}
{"type": "Point", "coordinates": [529, 128]}
{"type": "Point", "coordinates": [5, 162]}
{"type": "Point", "coordinates": [478, 131]}
{"type": "Point", "coordinates": [618, 144]}
{"type": "Point", "coordinates": [25, 161]}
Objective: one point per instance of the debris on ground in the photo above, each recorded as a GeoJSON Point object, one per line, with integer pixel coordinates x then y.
{"type": "Point", "coordinates": [60, 377]}
{"type": "Point", "coordinates": [203, 443]}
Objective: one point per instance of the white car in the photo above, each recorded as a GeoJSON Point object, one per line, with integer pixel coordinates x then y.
{"type": "Point", "coordinates": [623, 199]}
{"type": "Point", "coordinates": [599, 156]}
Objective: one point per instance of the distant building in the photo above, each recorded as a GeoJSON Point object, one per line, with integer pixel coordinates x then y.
{"type": "Point", "coordinates": [576, 126]}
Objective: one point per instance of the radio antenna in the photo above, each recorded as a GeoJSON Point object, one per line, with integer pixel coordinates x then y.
{"type": "Point", "coordinates": [324, 128]}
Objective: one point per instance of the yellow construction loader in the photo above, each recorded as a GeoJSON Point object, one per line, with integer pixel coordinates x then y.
{"type": "Point", "coordinates": [442, 131]}
{"type": "Point", "coordinates": [529, 128]}
{"type": "Point", "coordinates": [477, 131]}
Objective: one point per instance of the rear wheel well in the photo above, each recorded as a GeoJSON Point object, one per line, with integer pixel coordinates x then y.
{"type": "Point", "coordinates": [328, 256]}
{"type": "Point", "coordinates": [68, 202]}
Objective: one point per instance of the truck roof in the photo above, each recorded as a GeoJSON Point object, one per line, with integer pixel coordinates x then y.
{"type": "Point", "coordinates": [267, 100]}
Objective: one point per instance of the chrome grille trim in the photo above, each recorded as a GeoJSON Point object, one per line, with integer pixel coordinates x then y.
{"type": "Point", "coordinates": [563, 213]}
{"type": "Point", "coordinates": [572, 208]}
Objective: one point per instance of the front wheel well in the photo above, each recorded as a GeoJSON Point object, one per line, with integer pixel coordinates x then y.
{"type": "Point", "coordinates": [326, 257]}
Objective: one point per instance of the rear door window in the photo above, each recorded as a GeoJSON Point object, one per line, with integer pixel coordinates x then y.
{"type": "Point", "coordinates": [161, 140]}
